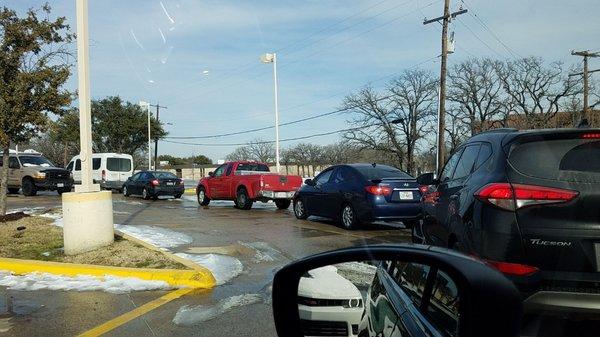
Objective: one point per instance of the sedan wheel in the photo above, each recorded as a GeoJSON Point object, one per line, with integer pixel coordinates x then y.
{"type": "Point", "coordinates": [125, 193]}
{"type": "Point", "coordinates": [300, 210]}
{"type": "Point", "coordinates": [145, 194]}
{"type": "Point", "coordinates": [349, 217]}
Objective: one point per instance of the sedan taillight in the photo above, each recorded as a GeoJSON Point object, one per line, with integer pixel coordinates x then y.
{"type": "Point", "coordinates": [515, 196]}
{"type": "Point", "coordinates": [155, 182]}
{"type": "Point", "coordinates": [378, 190]}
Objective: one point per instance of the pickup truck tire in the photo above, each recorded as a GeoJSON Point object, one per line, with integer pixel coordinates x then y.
{"type": "Point", "coordinates": [282, 203]}
{"type": "Point", "coordinates": [242, 200]}
{"type": "Point", "coordinates": [300, 209]}
{"type": "Point", "coordinates": [203, 200]}
{"type": "Point", "coordinates": [28, 187]}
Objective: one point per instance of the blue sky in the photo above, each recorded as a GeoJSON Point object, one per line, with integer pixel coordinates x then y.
{"type": "Point", "coordinates": [201, 58]}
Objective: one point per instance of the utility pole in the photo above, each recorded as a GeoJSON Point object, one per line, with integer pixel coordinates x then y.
{"type": "Point", "coordinates": [446, 18]}
{"type": "Point", "coordinates": [586, 73]}
{"type": "Point", "coordinates": [158, 107]}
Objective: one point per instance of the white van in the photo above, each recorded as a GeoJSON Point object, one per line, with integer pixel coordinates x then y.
{"type": "Point", "coordinates": [110, 170]}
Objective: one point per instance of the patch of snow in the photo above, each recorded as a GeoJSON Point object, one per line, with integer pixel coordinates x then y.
{"type": "Point", "coordinates": [190, 315]}
{"type": "Point", "coordinates": [264, 252]}
{"type": "Point", "coordinates": [223, 267]}
{"type": "Point", "coordinates": [119, 201]}
{"type": "Point", "coordinates": [110, 284]}
{"type": "Point", "coordinates": [156, 236]}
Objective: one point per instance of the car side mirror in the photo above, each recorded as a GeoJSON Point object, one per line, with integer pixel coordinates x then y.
{"type": "Point", "coordinates": [211, 174]}
{"type": "Point", "coordinates": [427, 179]}
{"type": "Point", "coordinates": [309, 182]}
{"type": "Point", "coordinates": [458, 295]}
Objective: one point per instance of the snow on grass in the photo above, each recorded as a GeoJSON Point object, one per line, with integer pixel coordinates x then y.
{"type": "Point", "coordinates": [223, 267]}
{"type": "Point", "coordinates": [110, 284]}
{"type": "Point", "coordinates": [190, 315]}
{"type": "Point", "coordinates": [156, 236]}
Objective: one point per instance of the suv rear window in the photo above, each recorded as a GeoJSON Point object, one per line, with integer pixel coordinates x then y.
{"type": "Point", "coordinates": [118, 164]}
{"type": "Point", "coordinates": [382, 172]}
{"type": "Point", "coordinates": [572, 160]}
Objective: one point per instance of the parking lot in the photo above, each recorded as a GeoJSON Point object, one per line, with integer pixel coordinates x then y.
{"type": "Point", "coordinates": [262, 239]}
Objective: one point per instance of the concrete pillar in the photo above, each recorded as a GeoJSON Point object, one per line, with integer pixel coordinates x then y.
{"type": "Point", "coordinates": [88, 221]}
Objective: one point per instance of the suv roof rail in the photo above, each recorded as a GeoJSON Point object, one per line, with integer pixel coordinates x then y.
{"type": "Point", "coordinates": [500, 130]}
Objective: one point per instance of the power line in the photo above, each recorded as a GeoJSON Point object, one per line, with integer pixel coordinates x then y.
{"type": "Point", "coordinates": [478, 38]}
{"type": "Point", "coordinates": [302, 119]}
{"type": "Point", "coordinates": [486, 27]}
{"type": "Point", "coordinates": [272, 141]}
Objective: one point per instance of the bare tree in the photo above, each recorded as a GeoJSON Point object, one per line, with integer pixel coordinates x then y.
{"type": "Point", "coordinates": [478, 93]}
{"type": "Point", "coordinates": [261, 150]}
{"type": "Point", "coordinates": [536, 90]}
{"type": "Point", "coordinates": [240, 153]}
{"type": "Point", "coordinates": [414, 95]}
{"type": "Point", "coordinates": [373, 114]}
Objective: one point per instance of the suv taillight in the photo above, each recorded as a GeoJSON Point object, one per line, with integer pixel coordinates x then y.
{"type": "Point", "coordinates": [515, 196]}
{"type": "Point", "coordinates": [379, 190]}
{"type": "Point", "coordinates": [515, 269]}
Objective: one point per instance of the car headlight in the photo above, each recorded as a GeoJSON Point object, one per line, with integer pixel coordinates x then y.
{"type": "Point", "coordinates": [39, 175]}
{"type": "Point", "coordinates": [353, 303]}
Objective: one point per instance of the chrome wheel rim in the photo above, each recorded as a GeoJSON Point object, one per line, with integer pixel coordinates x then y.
{"type": "Point", "coordinates": [347, 216]}
{"type": "Point", "coordinates": [201, 196]}
{"type": "Point", "coordinates": [241, 199]}
{"type": "Point", "coordinates": [299, 209]}
{"type": "Point", "coordinates": [125, 190]}
{"type": "Point", "coordinates": [145, 193]}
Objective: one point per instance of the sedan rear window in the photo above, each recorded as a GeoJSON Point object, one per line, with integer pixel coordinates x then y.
{"type": "Point", "coordinates": [164, 175]}
{"type": "Point", "coordinates": [118, 164]}
{"type": "Point", "coordinates": [572, 160]}
{"type": "Point", "coordinates": [382, 172]}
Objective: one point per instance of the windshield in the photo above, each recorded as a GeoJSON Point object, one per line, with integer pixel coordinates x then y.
{"type": "Point", "coordinates": [210, 143]}
{"type": "Point", "coordinates": [35, 161]}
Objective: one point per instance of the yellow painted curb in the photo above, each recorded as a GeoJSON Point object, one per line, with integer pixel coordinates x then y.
{"type": "Point", "coordinates": [190, 191]}
{"type": "Point", "coordinates": [185, 262]}
{"type": "Point", "coordinates": [178, 278]}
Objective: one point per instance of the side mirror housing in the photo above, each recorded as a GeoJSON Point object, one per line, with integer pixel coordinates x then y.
{"type": "Point", "coordinates": [211, 174]}
{"type": "Point", "coordinates": [309, 182]}
{"type": "Point", "coordinates": [476, 299]}
{"type": "Point", "coordinates": [427, 179]}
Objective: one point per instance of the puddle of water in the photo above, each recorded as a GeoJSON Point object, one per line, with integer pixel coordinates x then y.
{"type": "Point", "coordinates": [190, 315]}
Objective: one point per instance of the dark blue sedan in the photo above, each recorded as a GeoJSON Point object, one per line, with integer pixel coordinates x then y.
{"type": "Point", "coordinates": [360, 193]}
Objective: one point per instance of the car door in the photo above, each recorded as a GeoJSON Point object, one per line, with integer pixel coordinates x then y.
{"type": "Point", "coordinates": [448, 205]}
{"type": "Point", "coordinates": [432, 225]}
{"type": "Point", "coordinates": [215, 183]}
{"type": "Point", "coordinates": [315, 194]}
{"type": "Point", "coordinates": [131, 183]}
{"type": "Point", "coordinates": [141, 182]}
{"type": "Point", "coordinates": [14, 172]}
{"type": "Point", "coordinates": [342, 188]}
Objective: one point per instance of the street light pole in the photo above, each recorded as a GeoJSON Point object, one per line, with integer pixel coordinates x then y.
{"type": "Point", "coordinates": [146, 106]}
{"type": "Point", "coordinates": [272, 58]}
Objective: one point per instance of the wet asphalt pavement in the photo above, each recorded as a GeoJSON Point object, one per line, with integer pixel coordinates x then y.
{"type": "Point", "coordinates": [277, 237]}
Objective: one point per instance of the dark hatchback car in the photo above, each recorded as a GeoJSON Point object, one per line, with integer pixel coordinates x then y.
{"type": "Point", "coordinates": [528, 202]}
{"type": "Point", "coordinates": [152, 184]}
{"type": "Point", "coordinates": [360, 193]}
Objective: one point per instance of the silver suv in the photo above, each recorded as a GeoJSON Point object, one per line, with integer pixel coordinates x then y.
{"type": "Point", "coordinates": [32, 172]}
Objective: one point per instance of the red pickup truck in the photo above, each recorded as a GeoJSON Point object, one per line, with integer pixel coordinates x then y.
{"type": "Point", "coordinates": [245, 182]}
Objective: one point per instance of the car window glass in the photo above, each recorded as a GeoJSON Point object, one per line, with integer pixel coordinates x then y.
{"type": "Point", "coordinates": [229, 168]}
{"type": "Point", "coordinates": [13, 163]}
{"type": "Point", "coordinates": [118, 164]}
{"type": "Point", "coordinates": [70, 166]}
{"type": "Point", "coordinates": [372, 172]}
{"type": "Point", "coordinates": [165, 175]}
{"type": "Point", "coordinates": [323, 177]}
{"type": "Point", "coordinates": [136, 176]}
{"type": "Point", "coordinates": [219, 171]}
{"type": "Point", "coordinates": [485, 152]}
{"type": "Point", "coordinates": [466, 162]}
{"type": "Point", "coordinates": [78, 165]}
{"type": "Point", "coordinates": [344, 174]}
{"type": "Point", "coordinates": [411, 277]}
{"type": "Point", "coordinates": [450, 165]}
{"type": "Point", "coordinates": [96, 163]}
{"type": "Point", "coordinates": [443, 304]}
{"type": "Point", "coordinates": [252, 167]}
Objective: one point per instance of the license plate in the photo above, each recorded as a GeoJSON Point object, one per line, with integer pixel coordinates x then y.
{"type": "Point", "coordinates": [406, 195]}
{"type": "Point", "coordinates": [280, 195]}
{"type": "Point", "coordinates": [60, 185]}
{"type": "Point", "coordinates": [170, 184]}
